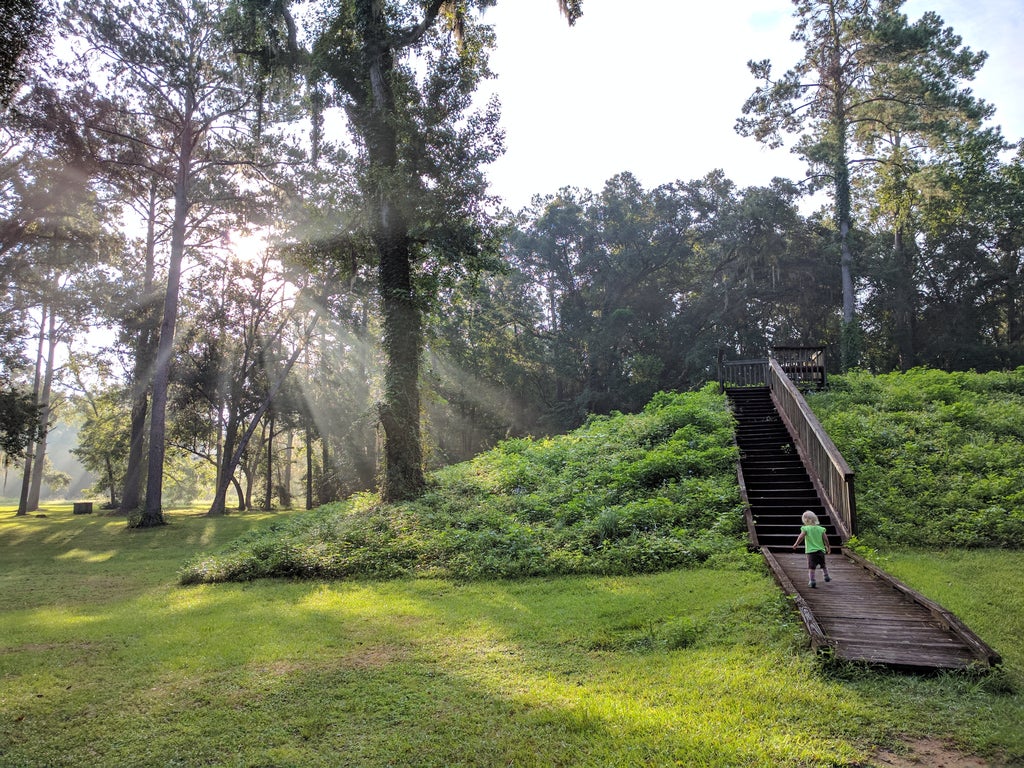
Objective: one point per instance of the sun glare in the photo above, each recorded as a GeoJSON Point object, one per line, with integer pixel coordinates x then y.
{"type": "Point", "coordinates": [245, 246]}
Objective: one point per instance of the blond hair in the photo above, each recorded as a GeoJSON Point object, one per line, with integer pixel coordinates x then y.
{"type": "Point", "coordinates": [809, 518]}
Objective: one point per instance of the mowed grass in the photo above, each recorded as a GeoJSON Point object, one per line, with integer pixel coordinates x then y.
{"type": "Point", "coordinates": [106, 661]}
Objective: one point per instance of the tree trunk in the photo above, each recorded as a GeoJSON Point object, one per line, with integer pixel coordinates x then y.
{"type": "Point", "coordinates": [152, 514]}
{"type": "Point", "coordinates": [232, 453]}
{"type": "Point", "coordinates": [250, 481]}
{"type": "Point", "coordinates": [324, 495]}
{"type": "Point", "coordinates": [131, 498]}
{"type": "Point", "coordinates": [849, 341]}
{"type": "Point", "coordinates": [225, 472]}
{"type": "Point", "coordinates": [239, 494]}
{"type": "Point", "coordinates": [286, 475]}
{"type": "Point", "coordinates": [39, 462]}
{"type": "Point", "coordinates": [399, 411]}
{"type": "Point", "coordinates": [904, 303]}
{"type": "Point", "coordinates": [269, 498]}
{"type": "Point", "coordinates": [309, 467]}
{"type": "Point", "coordinates": [26, 480]}
{"type": "Point", "coordinates": [111, 485]}
{"type": "Point", "coordinates": [145, 357]}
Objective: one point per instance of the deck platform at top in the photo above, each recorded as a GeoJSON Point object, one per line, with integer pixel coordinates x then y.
{"type": "Point", "coordinates": [805, 367]}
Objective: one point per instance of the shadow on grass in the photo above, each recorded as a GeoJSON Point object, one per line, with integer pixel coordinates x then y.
{"type": "Point", "coordinates": [414, 673]}
{"type": "Point", "coordinates": [689, 667]}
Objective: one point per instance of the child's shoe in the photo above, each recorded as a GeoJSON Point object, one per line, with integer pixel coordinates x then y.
{"type": "Point", "coordinates": [828, 578]}
{"type": "Point", "coordinates": [812, 585]}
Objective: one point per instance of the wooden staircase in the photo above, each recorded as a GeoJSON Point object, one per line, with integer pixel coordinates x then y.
{"type": "Point", "coordinates": [864, 614]}
{"type": "Point", "coordinates": [779, 489]}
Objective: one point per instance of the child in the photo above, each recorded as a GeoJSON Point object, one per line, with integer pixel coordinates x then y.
{"type": "Point", "coordinates": [815, 545]}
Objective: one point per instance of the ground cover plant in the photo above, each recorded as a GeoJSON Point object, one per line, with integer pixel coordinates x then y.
{"type": "Point", "coordinates": [106, 660]}
{"type": "Point", "coordinates": [623, 494]}
{"type": "Point", "coordinates": [938, 456]}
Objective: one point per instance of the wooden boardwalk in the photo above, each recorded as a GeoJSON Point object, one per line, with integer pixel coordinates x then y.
{"type": "Point", "coordinates": [863, 614]}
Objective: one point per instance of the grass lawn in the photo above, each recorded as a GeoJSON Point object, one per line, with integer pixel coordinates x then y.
{"type": "Point", "coordinates": [106, 661]}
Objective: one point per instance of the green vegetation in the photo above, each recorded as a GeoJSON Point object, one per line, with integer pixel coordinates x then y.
{"type": "Point", "coordinates": [622, 494]}
{"type": "Point", "coordinates": [105, 659]}
{"type": "Point", "coordinates": [938, 455]}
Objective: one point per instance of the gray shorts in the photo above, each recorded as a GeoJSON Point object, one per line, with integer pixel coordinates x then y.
{"type": "Point", "coordinates": [815, 559]}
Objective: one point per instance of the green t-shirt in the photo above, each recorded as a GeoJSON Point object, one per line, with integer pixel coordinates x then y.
{"type": "Point", "coordinates": [814, 538]}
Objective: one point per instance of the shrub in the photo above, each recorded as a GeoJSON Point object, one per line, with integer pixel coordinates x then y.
{"type": "Point", "coordinates": [622, 494]}
{"type": "Point", "coordinates": [938, 455]}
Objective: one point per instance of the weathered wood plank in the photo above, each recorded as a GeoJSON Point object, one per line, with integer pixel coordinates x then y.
{"type": "Point", "coordinates": [866, 617]}
{"type": "Point", "coordinates": [924, 638]}
{"type": "Point", "coordinates": [863, 614]}
{"type": "Point", "coordinates": [897, 658]}
{"type": "Point", "coordinates": [906, 654]}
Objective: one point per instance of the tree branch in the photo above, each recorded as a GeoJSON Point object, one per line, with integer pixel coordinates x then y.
{"type": "Point", "coordinates": [412, 35]}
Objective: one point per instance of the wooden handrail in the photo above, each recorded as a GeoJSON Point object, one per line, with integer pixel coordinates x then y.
{"type": "Point", "coordinates": [830, 471]}
{"type": "Point", "coordinates": [804, 366]}
{"type": "Point", "coordinates": [742, 373]}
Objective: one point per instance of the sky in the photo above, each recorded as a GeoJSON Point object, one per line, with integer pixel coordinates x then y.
{"type": "Point", "coordinates": [657, 89]}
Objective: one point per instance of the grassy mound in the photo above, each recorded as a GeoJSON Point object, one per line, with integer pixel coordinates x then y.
{"type": "Point", "coordinates": [938, 456]}
{"type": "Point", "coordinates": [622, 494]}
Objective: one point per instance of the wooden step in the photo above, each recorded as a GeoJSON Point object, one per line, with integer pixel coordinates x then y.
{"type": "Point", "coordinates": [863, 614]}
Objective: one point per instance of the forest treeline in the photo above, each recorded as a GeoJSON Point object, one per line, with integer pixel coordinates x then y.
{"type": "Point", "coordinates": [230, 295]}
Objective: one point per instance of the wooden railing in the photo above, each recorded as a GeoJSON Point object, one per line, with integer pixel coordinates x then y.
{"type": "Point", "coordinates": [805, 366]}
{"type": "Point", "coordinates": [831, 471]}
{"type": "Point", "coordinates": [742, 373]}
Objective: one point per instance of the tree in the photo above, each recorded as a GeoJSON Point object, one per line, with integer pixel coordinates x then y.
{"type": "Point", "coordinates": [102, 440]}
{"type": "Point", "coordinates": [61, 295]}
{"type": "Point", "coordinates": [868, 78]}
{"type": "Point", "coordinates": [611, 266]}
{"type": "Point", "coordinates": [171, 62]}
{"type": "Point", "coordinates": [971, 262]}
{"type": "Point", "coordinates": [323, 247]}
{"type": "Point", "coordinates": [140, 322]}
{"type": "Point", "coordinates": [764, 278]}
{"type": "Point", "coordinates": [915, 110]}
{"type": "Point", "coordinates": [48, 221]}
{"type": "Point", "coordinates": [817, 98]}
{"type": "Point", "coordinates": [406, 87]}
{"type": "Point", "coordinates": [1009, 241]}
{"type": "Point", "coordinates": [22, 24]}
{"type": "Point", "coordinates": [488, 372]}
{"type": "Point", "coordinates": [238, 364]}
{"type": "Point", "coordinates": [18, 418]}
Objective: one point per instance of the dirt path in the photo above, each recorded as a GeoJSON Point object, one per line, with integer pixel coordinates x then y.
{"type": "Point", "coordinates": [929, 753]}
